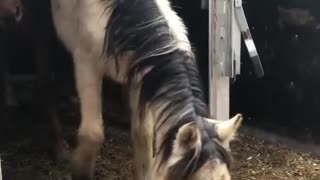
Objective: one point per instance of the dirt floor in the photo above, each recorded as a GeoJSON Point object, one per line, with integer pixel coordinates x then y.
{"type": "Point", "coordinates": [24, 159]}
{"type": "Point", "coordinates": [254, 159]}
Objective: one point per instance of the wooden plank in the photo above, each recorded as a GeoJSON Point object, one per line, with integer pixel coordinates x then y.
{"type": "Point", "coordinates": [228, 63]}
{"type": "Point", "coordinates": [218, 84]}
{"type": "Point", "coordinates": [224, 54]}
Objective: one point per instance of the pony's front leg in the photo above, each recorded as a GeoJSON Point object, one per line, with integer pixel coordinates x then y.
{"type": "Point", "coordinates": [141, 134]}
{"type": "Point", "coordinates": [90, 134]}
{"type": "Point", "coordinates": [142, 153]}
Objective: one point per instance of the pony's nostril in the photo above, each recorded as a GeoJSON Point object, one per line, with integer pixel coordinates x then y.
{"type": "Point", "coordinates": [18, 14]}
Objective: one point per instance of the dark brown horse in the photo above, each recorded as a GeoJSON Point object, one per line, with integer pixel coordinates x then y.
{"type": "Point", "coordinates": [10, 14]}
{"type": "Point", "coordinates": [10, 10]}
{"type": "Point", "coordinates": [29, 23]}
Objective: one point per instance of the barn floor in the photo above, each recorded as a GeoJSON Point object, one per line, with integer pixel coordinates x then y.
{"type": "Point", "coordinates": [24, 158]}
{"type": "Point", "coordinates": [254, 159]}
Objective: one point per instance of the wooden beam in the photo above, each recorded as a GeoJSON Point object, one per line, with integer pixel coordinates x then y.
{"type": "Point", "coordinates": [218, 83]}
{"type": "Point", "coordinates": [224, 55]}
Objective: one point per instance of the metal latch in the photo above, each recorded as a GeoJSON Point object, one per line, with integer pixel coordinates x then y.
{"type": "Point", "coordinates": [245, 31]}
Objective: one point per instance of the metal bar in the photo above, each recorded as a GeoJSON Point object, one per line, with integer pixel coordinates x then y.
{"type": "Point", "coordinates": [257, 66]}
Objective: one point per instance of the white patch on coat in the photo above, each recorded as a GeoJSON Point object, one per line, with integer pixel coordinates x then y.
{"type": "Point", "coordinates": [177, 27]}
{"type": "Point", "coordinates": [81, 24]}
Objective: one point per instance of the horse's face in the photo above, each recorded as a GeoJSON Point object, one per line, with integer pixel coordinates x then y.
{"type": "Point", "coordinates": [10, 11]}
{"type": "Point", "coordinates": [212, 162]}
{"type": "Point", "coordinates": [213, 169]}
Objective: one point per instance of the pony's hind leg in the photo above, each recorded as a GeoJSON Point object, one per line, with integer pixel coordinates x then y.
{"type": "Point", "coordinates": [90, 134]}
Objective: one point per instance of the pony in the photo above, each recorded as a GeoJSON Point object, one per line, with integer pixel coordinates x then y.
{"type": "Point", "coordinates": [143, 44]}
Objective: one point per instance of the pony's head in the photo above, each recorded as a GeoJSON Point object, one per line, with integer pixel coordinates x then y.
{"type": "Point", "coordinates": [200, 150]}
{"type": "Point", "coordinates": [10, 11]}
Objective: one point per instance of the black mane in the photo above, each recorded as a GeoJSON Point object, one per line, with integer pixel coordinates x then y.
{"type": "Point", "coordinates": [138, 26]}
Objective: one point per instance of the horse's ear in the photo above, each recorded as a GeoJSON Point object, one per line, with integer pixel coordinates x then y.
{"type": "Point", "coordinates": [226, 129]}
{"type": "Point", "coordinates": [188, 137]}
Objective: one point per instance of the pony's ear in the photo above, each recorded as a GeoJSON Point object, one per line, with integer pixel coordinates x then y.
{"type": "Point", "coordinates": [188, 137]}
{"type": "Point", "coordinates": [226, 129]}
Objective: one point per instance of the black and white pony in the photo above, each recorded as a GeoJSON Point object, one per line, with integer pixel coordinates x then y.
{"type": "Point", "coordinates": [143, 44]}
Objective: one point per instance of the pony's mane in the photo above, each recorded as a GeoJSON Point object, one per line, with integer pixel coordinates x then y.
{"type": "Point", "coordinates": [172, 85]}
